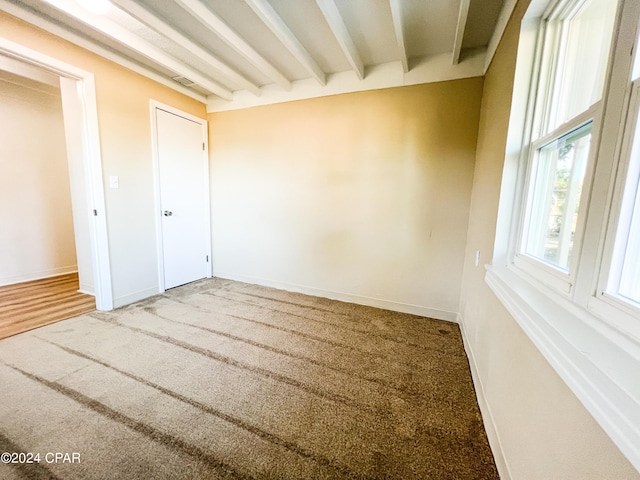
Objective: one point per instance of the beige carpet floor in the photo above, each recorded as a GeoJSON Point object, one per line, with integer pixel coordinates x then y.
{"type": "Point", "coordinates": [221, 379]}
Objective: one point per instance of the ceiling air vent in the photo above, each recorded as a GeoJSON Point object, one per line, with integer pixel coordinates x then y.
{"type": "Point", "coordinates": [184, 81]}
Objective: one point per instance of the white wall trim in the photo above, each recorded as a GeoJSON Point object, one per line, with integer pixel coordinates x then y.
{"type": "Point", "coordinates": [85, 98]}
{"type": "Point", "coordinates": [38, 275]}
{"type": "Point", "coordinates": [344, 297]}
{"type": "Point", "coordinates": [25, 70]}
{"type": "Point", "coordinates": [135, 297]}
{"type": "Point", "coordinates": [437, 68]}
{"type": "Point", "coordinates": [485, 408]}
{"type": "Point", "coordinates": [599, 364]}
{"type": "Point", "coordinates": [154, 107]}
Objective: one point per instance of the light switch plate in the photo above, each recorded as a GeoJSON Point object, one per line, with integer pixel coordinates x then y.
{"type": "Point", "coordinates": [114, 181]}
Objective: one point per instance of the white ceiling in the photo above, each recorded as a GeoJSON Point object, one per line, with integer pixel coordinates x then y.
{"type": "Point", "coordinates": [237, 53]}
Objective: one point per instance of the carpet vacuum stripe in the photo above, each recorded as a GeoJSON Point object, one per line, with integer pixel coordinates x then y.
{"type": "Point", "coordinates": [369, 333]}
{"type": "Point", "coordinates": [217, 413]}
{"type": "Point", "coordinates": [140, 427]}
{"type": "Point", "coordinates": [388, 360]}
{"type": "Point", "coordinates": [310, 336]}
{"type": "Point", "coordinates": [280, 351]}
{"type": "Point", "coordinates": [244, 366]}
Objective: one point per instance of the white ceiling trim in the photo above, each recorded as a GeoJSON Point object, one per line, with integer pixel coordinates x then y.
{"type": "Point", "coordinates": [26, 70]}
{"type": "Point", "coordinates": [91, 46]}
{"type": "Point", "coordinates": [396, 14]}
{"type": "Point", "coordinates": [339, 29]}
{"type": "Point", "coordinates": [134, 42]}
{"type": "Point", "coordinates": [271, 19]}
{"type": "Point", "coordinates": [437, 68]}
{"type": "Point", "coordinates": [216, 25]}
{"type": "Point", "coordinates": [152, 21]}
{"type": "Point", "coordinates": [501, 25]}
{"type": "Point", "coordinates": [463, 14]}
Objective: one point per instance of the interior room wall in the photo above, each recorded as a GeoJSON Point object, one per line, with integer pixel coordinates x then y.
{"type": "Point", "coordinates": [125, 134]}
{"type": "Point", "coordinates": [37, 236]}
{"type": "Point", "coordinates": [362, 197]}
{"type": "Point", "coordinates": [537, 422]}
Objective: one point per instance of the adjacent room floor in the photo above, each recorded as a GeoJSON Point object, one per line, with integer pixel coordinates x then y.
{"type": "Point", "coordinates": [28, 305]}
{"type": "Point", "coordinates": [221, 379]}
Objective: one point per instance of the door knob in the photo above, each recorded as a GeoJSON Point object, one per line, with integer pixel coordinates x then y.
{"type": "Point", "coordinates": [167, 213]}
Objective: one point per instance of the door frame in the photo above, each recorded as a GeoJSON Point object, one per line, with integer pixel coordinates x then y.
{"type": "Point", "coordinates": [80, 90]}
{"type": "Point", "coordinates": [154, 107]}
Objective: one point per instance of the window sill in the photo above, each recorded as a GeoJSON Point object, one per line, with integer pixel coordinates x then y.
{"type": "Point", "coordinates": [599, 364]}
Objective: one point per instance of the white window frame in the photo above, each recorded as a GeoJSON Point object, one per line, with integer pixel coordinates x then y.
{"type": "Point", "coordinates": [592, 343]}
{"type": "Point", "coordinates": [553, 33]}
{"type": "Point", "coordinates": [562, 280]}
{"type": "Point", "coordinates": [621, 313]}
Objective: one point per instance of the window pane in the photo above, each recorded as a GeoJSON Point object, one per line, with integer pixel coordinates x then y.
{"type": "Point", "coordinates": [584, 53]}
{"type": "Point", "coordinates": [625, 272]}
{"type": "Point", "coordinates": [556, 186]}
{"type": "Point", "coordinates": [630, 279]}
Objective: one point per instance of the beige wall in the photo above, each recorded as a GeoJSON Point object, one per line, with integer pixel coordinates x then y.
{"type": "Point", "coordinates": [36, 238]}
{"type": "Point", "coordinates": [125, 135]}
{"type": "Point", "coordinates": [545, 431]}
{"type": "Point", "coordinates": [360, 196]}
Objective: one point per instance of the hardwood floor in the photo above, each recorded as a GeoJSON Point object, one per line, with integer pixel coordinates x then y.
{"type": "Point", "coordinates": [28, 305]}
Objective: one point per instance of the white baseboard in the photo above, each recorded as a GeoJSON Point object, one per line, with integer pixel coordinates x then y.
{"type": "Point", "coordinates": [38, 275]}
{"type": "Point", "coordinates": [485, 410]}
{"type": "Point", "coordinates": [135, 297]}
{"type": "Point", "coordinates": [345, 297]}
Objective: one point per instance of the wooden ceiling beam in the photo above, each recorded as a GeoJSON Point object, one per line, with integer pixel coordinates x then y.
{"type": "Point", "coordinates": [152, 21]}
{"type": "Point", "coordinates": [503, 18]}
{"type": "Point", "coordinates": [339, 29]}
{"type": "Point", "coordinates": [266, 13]}
{"type": "Point", "coordinates": [218, 26]}
{"type": "Point", "coordinates": [463, 13]}
{"type": "Point", "coordinates": [396, 14]}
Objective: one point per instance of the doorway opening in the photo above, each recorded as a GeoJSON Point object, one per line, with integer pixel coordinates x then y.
{"type": "Point", "coordinates": [77, 95]}
{"type": "Point", "coordinates": [39, 275]}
